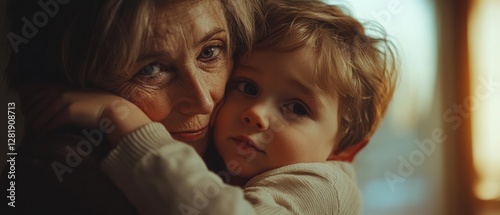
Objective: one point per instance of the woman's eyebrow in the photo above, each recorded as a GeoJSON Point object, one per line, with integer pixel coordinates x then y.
{"type": "Point", "coordinates": [152, 55]}
{"type": "Point", "coordinates": [209, 35]}
{"type": "Point", "coordinates": [163, 54]}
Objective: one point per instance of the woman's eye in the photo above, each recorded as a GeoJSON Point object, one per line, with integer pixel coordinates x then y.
{"type": "Point", "coordinates": [150, 70]}
{"type": "Point", "coordinates": [247, 88]}
{"type": "Point", "coordinates": [153, 74]}
{"type": "Point", "coordinates": [297, 109]}
{"type": "Point", "coordinates": [209, 53]}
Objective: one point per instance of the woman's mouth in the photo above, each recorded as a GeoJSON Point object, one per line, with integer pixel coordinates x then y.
{"type": "Point", "coordinates": [190, 136]}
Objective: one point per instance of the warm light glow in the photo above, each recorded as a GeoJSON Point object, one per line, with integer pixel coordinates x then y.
{"type": "Point", "coordinates": [484, 41]}
{"type": "Point", "coordinates": [488, 190]}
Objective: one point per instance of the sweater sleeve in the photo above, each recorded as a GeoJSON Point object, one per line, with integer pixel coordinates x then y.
{"type": "Point", "coordinates": [160, 175]}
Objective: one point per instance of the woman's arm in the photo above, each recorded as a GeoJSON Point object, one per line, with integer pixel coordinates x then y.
{"type": "Point", "coordinates": [50, 107]}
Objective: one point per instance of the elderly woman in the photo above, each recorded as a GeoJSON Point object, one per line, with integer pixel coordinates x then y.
{"type": "Point", "coordinates": [171, 58]}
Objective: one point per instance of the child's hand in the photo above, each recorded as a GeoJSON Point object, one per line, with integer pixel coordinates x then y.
{"type": "Point", "coordinates": [52, 107]}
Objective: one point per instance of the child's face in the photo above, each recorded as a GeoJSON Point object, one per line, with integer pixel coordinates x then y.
{"type": "Point", "coordinates": [274, 116]}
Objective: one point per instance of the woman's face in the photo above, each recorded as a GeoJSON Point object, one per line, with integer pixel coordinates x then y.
{"type": "Point", "coordinates": [181, 76]}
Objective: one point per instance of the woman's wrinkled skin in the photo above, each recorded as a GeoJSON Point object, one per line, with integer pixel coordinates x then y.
{"type": "Point", "coordinates": [181, 76]}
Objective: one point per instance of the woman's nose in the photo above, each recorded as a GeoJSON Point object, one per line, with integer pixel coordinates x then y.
{"type": "Point", "coordinates": [257, 117]}
{"type": "Point", "coordinates": [196, 96]}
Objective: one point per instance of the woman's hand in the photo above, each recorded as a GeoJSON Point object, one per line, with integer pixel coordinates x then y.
{"type": "Point", "coordinates": [49, 107]}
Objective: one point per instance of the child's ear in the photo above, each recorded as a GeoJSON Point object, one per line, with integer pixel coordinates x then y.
{"type": "Point", "coordinates": [349, 153]}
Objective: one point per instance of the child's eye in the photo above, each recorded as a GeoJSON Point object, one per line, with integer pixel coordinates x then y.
{"type": "Point", "coordinates": [247, 87]}
{"type": "Point", "coordinates": [296, 109]}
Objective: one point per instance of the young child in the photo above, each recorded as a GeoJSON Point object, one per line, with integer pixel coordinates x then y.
{"type": "Point", "coordinates": [298, 108]}
{"type": "Point", "coordinates": [306, 100]}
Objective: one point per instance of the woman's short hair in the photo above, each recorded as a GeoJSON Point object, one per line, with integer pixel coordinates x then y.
{"type": "Point", "coordinates": [87, 39]}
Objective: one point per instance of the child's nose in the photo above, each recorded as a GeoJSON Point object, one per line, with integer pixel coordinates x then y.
{"type": "Point", "coordinates": [256, 117]}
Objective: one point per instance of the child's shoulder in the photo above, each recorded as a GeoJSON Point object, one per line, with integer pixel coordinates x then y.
{"type": "Point", "coordinates": [301, 187]}
{"type": "Point", "coordinates": [323, 172]}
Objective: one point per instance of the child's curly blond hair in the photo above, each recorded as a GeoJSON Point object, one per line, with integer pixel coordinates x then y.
{"type": "Point", "coordinates": [360, 69]}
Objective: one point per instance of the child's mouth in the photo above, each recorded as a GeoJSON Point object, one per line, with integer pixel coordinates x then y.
{"type": "Point", "coordinates": [246, 143]}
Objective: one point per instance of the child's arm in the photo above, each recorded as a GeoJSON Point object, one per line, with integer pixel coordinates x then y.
{"type": "Point", "coordinates": [162, 176]}
{"type": "Point", "coordinates": [158, 174]}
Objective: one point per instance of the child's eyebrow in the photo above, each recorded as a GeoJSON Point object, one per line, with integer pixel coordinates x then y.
{"type": "Point", "coordinates": [302, 88]}
{"type": "Point", "coordinates": [312, 95]}
{"type": "Point", "coordinates": [247, 68]}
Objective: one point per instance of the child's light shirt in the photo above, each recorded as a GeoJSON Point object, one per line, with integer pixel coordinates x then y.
{"type": "Point", "coordinates": [160, 175]}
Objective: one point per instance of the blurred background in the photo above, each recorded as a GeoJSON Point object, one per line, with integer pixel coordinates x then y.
{"type": "Point", "coordinates": [438, 150]}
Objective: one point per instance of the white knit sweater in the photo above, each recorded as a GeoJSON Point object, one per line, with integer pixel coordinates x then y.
{"type": "Point", "coordinates": [160, 175]}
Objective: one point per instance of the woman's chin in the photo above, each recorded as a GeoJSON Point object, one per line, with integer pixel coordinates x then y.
{"type": "Point", "coordinates": [198, 140]}
{"type": "Point", "coordinates": [200, 146]}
